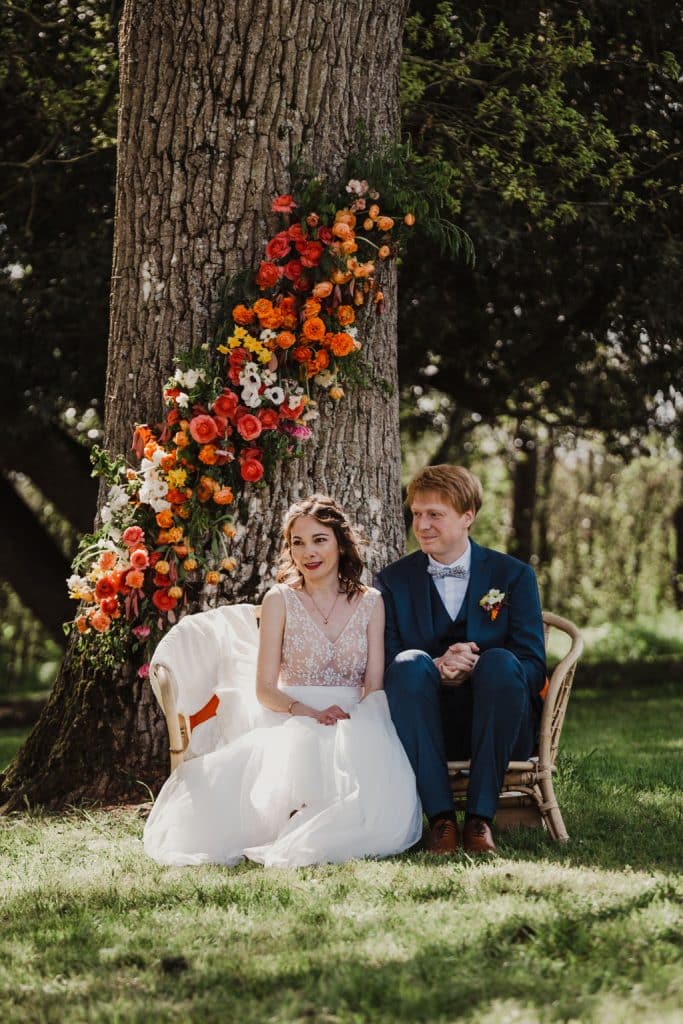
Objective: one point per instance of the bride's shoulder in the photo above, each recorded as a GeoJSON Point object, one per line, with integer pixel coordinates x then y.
{"type": "Point", "coordinates": [371, 594]}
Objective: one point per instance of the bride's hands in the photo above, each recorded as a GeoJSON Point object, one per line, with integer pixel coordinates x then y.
{"type": "Point", "coordinates": [331, 715]}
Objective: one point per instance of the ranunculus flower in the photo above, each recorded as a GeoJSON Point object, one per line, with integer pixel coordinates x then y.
{"type": "Point", "coordinates": [283, 204]}
{"type": "Point", "coordinates": [109, 606]}
{"type": "Point", "coordinates": [322, 290]}
{"type": "Point", "coordinates": [325, 235]}
{"type": "Point", "coordinates": [107, 560]}
{"type": "Point", "coordinates": [292, 270]}
{"type": "Point", "coordinates": [139, 558]}
{"type": "Point", "coordinates": [243, 316]}
{"type": "Point", "coordinates": [285, 339]}
{"type": "Point", "coordinates": [288, 412]}
{"type": "Point", "coordinates": [314, 329]}
{"type": "Point", "coordinates": [141, 632]}
{"type": "Point", "coordinates": [295, 232]}
{"type": "Point", "coordinates": [162, 601]}
{"type": "Point", "coordinates": [82, 624]}
{"type": "Point", "coordinates": [267, 275]}
{"type": "Point", "coordinates": [133, 536]}
{"type": "Point", "coordinates": [251, 470]}
{"type": "Point", "coordinates": [164, 519]}
{"type": "Point", "coordinates": [208, 454]}
{"type": "Point", "coordinates": [203, 429]}
{"type": "Point", "coordinates": [278, 246]}
{"type": "Point", "coordinates": [302, 354]}
{"type": "Point", "coordinates": [223, 496]}
{"type": "Point", "coordinates": [225, 404]}
{"type": "Point", "coordinates": [269, 419]}
{"type": "Point", "coordinates": [345, 315]}
{"type": "Point", "coordinates": [311, 308]}
{"type": "Point", "coordinates": [106, 586]}
{"type": "Point", "coordinates": [249, 427]}
{"type": "Point", "coordinates": [135, 579]}
{"type": "Point", "coordinates": [342, 344]}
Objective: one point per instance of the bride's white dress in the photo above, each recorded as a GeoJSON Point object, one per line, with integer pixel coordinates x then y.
{"type": "Point", "coordinates": [290, 791]}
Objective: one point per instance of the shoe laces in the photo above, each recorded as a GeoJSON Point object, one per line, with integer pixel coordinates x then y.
{"type": "Point", "coordinates": [442, 827]}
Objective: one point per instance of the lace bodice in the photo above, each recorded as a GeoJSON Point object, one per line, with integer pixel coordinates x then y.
{"type": "Point", "coordinates": [310, 659]}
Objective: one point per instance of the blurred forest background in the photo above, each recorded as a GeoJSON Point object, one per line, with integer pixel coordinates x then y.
{"type": "Point", "coordinates": [552, 367]}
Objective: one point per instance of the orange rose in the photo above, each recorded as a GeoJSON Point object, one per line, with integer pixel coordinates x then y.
{"type": "Point", "coordinates": [267, 275]}
{"type": "Point", "coordinates": [183, 511]}
{"type": "Point", "coordinates": [164, 519]}
{"type": "Point", "coordinates": [190, 564]}
{"type": "Point", "coordinates": [135, 579]}
{"type": "Point", "coordinates": [385, 223]}
{"type": "Point", "coordinates": [139, 558]}
{"type": "Point", "coordinates": [349, 247]}
{"type": "Point", "coordinates": [223, 496]}
{"type": "Point", "coordinates": [409, 219]}
{"type": "Point", "coordinates": [342, 344]}
{"type": "Point", "coordinates": [212, 578]}
{"type": "Point", "coordinates": [169, 461]}
{"type": "Point", "coordinates": [384, 252]}
{"type": "Point", "coordinates": [181, 440]}
{"type": "Point", "coordinates": [342, 231]}
{"type": "Point", "coordinates": [345, 217]}
{"type": "Point", "coordinates": [181, 550]}
{"type": "Point", "coordinates": [322, 290]}
{"type": "Point", "coordinates": [311, 309]}
{"type": "Point", "coordinates": [175, 592]}
{"type": "Point", "coordinates": [373, 212]}
{"type": "Point", "coordinates": [272, 320]}
{"type": "Point", "coordinates": [107, 560]}
{"type": "Point", "coordinates": [228, 564]}
{"type": "Point", "coordinates": [162, 600]}
{"type": "Point", "coordinates": [285, 339]}
{"type": "Point", "coordinates": [341, 276]}
{"type": "Point", "coordinates": [106, 586]}
{"type": "Point", "coordinates": [164, 537]}
{"type": "Point", "coordinates": [321, 361]}
{"type": "Point", "coordinates": [100, 621]}
{"type": "Point", "coordinates": [345, 315]}
{"type": "Point", "coordinates": [336, 393]}
{"type": "Point", "coordinates": [361, 269]}
{"type": "Point", "coordinates": [251, 470]}
{"type": "Point", "coordinates": [243, 316]}
{"type": "Point", "coordinates": [150, 449]}
{"type": "Point", "coordinates": [82, 624]}
{"type": "Point", "coordinates": [368, 224]}
{"type": "Point", "coordinates": [314, 329]}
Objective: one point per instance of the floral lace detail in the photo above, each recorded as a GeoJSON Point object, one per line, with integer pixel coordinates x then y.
{"type": "Point", "coordinates": [310, 659]}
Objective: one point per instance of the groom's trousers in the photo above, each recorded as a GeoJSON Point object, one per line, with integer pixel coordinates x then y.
{"type": "Point", "coordinates": [489, 718]}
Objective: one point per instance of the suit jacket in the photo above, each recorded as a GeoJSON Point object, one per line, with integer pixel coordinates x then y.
{"type": "Point", "coordinates": [405, 586]}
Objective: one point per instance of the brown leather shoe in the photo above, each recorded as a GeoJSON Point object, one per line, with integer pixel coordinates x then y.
{"type": "Point", "coordinates": [443, 838]}
{"type": "Point", "coordinates": [477, 837]}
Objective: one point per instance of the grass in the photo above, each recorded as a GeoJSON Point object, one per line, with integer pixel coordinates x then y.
{"type": "Point", "coordinates": [592, 931]}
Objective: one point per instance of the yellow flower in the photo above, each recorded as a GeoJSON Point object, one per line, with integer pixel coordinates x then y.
{"type": "Point", "coordinates": [264, 355]}
{"type": "Point", "coordinates": [240, 332]}
{"type": "Point", "coordinates": [229, 564]}
{"type": "Point", "coordinates": [189, 564]}
{"type": "Point", "coordinates": [212, 578]}
{"type": "Point", "coordinates": [223, 349]}
{"type": "Point", "coordinates": [229, 530]}
{"type": "Point", "coordinates": [177, 477]}
{"type": "Point", "coordinates": [175, 592]}
{"type": "Point", "coordinates": [162, 567]}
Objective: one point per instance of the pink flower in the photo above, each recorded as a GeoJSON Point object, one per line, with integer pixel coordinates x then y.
{"type": "Point", "coordinates": [299, 431]}
{"type": "Point", "coordinates": [133, 536]}
{"type": "Point", "coordinates": [141, 632]}
{"type": "Point", "coordinates": [203, 429]}
{"type": "Point", "coordinates": [143, 671]}
{"type": "Point", "coordinates": [283, 204]}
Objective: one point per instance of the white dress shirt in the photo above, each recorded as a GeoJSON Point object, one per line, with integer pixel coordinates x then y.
{"type": "Point", "coordinates": [451, 589]}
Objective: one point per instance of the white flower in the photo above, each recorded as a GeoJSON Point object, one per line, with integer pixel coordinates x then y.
{"type": "Point", "coordinates": [183, 400]}
{"type": "Point", "coordinates": [275, 395]}
{"type": "Point", "coordinates": [268, 377]}
{"type": "Point", "coordinates": [310, 414]}
{"type": "Point", "coordinates": [324, 379]}
{"type": "Point", "coordinates": [267, 334]}
{"type": "Point", "coordinates": [251, 396]}
{"type": "Point", "coordinates": [76, 584]}
{"type": "Point", "coordinates": [357, 188]}
{"type": "Point", "coordinates": [250, 376]}
{"type": "Point", "coordinates": [352, 332]}
{"type": "Point", "coordinates": [189, 378]}
{"type": "Point", "coordinates": [105, 514]}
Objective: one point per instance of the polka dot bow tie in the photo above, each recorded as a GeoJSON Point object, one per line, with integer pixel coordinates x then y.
{"type": "Point", "coordinates": [455, 570]}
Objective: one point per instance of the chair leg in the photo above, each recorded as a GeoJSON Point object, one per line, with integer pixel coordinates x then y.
{"type": "Point", "coordinates": [550, 810]}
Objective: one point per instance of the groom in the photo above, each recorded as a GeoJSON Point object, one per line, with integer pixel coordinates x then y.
{"type": "Point", "coordinates": [465, 656]}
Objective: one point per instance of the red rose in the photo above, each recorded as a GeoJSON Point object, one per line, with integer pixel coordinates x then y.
{"type": "Point", "coordinates": [106, 586]}
{"type": "Point", "coordinates": [295, 232]}
{"type": "Point", "coordinates": [109, 605]}
{"type": "Point", "coordinates": [278, 247]}
{"type": "Point", "coordinates": [221, 425]}
{"type": "Point", "coordinates": [162, 601]}
{"type": "Point", "coordinates": [283, 204]}
{"type": "Point", "coordinates": [267, 275]}
{"type": "Point", "coordinates": [325, 235]}
{"type": "Point", "coordinates": [173, 416]}
{"type": "Point", "coordinates": [291, 414]}
{"type": "Point", "coordinates": [251, 470]}
{"type": "Point", "coordinates": [225, 404]}
{"type": "Point", "coordinates": [203, 429]}
{"type": "Point", "coordinates": [238, 357]}
{"type": "Point", "coordinates": [249, 427]}
{"type": "Point", "coordinates": [269, 419]}
{"type": "Point", "coordinates": [303, 284]}
{"type": "Point", "coordinates": [170, 393]}
{"type": "Point", "coordinates": [133, 536]}
{"type": "Point", "coordinates": [292, 270]}
{"type": "Point", "coordinates": [310, 253]}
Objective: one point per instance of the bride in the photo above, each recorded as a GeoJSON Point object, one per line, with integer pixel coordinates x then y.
{"type": "Point", "coordinates": [323, 776]}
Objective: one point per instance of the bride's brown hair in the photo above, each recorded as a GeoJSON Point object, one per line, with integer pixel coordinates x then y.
{"type": "Point", "coordinates": [330, 514]}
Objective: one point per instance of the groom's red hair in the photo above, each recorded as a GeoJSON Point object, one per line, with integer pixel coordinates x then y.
{"type": "Point", "coordinates": [455, 484]}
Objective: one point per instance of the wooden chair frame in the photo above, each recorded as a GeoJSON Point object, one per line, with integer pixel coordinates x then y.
{"type": "Point", "coordinates": [528, 796]}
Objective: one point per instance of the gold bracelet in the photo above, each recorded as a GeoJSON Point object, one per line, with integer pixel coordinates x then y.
{"type": "Point", "coordinates": [291, 705]}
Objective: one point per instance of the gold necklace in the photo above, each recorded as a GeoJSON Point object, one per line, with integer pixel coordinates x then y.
{"type": "Point", "coordinates": [325, 618]}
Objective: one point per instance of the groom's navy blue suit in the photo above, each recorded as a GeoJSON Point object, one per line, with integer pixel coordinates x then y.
{"type": "Point", "coordinates": [492, 717]}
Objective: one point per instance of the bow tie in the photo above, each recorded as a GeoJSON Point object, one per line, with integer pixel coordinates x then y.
{"type": "Point", "coordinates": [458, 571]}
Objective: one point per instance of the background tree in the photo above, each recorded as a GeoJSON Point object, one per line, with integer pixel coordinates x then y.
{"type": "Point", "coordinates": [212, 111]}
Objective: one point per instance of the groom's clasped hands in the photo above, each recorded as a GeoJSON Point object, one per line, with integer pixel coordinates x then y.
{"type": "Point", "coordinates": [457, 664]}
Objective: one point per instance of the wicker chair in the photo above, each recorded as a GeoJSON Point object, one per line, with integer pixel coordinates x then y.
{"type": "Point", "coordinates": [527, 797]}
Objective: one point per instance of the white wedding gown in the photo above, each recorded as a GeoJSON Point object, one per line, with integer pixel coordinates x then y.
{"type": "Point", "coordinates": [292, 792]}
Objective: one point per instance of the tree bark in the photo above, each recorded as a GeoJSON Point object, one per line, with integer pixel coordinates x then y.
{"type": "Point", "coordinates": [216, 101]}
{"type": "Point", "coordinates": [524, 496]}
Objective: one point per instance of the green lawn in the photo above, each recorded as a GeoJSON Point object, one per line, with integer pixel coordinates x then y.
{"type": "Point", "coordinates": [592, 931]}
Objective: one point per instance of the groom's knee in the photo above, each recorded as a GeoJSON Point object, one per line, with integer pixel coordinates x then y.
{"type": "Point", "coordinates": [413, 674]}
{"type": "Point", "coordinates": [499, 672]}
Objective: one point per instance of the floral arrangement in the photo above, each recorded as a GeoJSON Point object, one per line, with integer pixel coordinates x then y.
{"type": "Point", "coordinates": [492, 602]}
{"type": "Point", "coordinates": [231, 415]}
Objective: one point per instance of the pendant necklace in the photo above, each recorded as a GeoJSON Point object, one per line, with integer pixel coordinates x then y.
{"type": "Point", "coordinates": [325, 618]}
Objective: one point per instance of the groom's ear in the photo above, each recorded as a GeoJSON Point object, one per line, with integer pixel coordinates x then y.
{"type": "Point", "coordinates": [470, 516]}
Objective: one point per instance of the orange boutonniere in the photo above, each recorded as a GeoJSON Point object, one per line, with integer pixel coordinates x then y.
{"type": "Point", "coordinates": [492, 602]}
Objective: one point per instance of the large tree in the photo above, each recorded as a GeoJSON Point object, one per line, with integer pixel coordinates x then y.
{"type": "Point", "coordinates": [215, 103]}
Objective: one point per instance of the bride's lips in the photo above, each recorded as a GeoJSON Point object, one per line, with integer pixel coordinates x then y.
{"type": "Point", "coordinates": [312, 565]}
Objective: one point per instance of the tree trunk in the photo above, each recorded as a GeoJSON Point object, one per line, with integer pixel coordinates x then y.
{"type": "Point", "coordinates": [524, 496]}
{"type": "Point", "coordinates": [216, 100]}
{"type": "Point", "coordinates": [545, 547]}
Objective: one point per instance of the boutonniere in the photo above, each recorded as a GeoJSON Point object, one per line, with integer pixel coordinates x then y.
{"type": "Point", "coordinates": [492, 603]}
